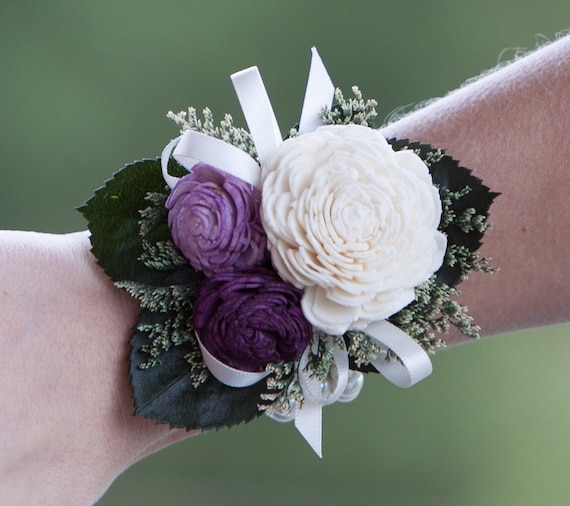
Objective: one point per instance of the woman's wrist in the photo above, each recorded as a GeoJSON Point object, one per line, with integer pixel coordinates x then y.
{"type": "Point", "coordinates": [510, 127]}
{"type": "Point", "coordinates": [66, 409]}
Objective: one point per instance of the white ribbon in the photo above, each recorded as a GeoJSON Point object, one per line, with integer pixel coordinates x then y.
{"type": "Point", "coordinates": [258, 112]}
{"type": "Point", "coordinates": [317, 394]}
{"type": "Point", "coordinates": [413, 365]}
{"type": "Point", "coordinates": [319, 94]}
{"type": "Point", "coordinates": [229, 375]}
{"type": "Point", "coordinates": [194, 147]}
{"type": "Point", "coordinates": [191, 147]}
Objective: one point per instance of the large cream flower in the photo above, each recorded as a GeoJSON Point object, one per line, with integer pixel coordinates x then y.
{"type": "Point", "coordinates": [351, 222]}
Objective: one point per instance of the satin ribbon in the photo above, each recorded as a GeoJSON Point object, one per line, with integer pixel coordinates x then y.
{"type": "Point", "coordinates": [228, 375]}
{"type": "Point", "coordinates": [194, 147]}
{"type": "Point", "coordinates": [259, 115]}
{"type": "Point", "coordinates": [413, 363]}
{"type": "Point", "coordinates": [308, 420]}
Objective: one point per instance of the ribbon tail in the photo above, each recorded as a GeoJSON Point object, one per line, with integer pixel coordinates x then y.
{"type": "Point", "coordinates": [317, 393]}
{"type": "Point", "coordinates": [308, 421]}
{"type": "Point", "coordinates": [258, 112]}
{"type": "Point", "coordinates": [319, 94]}
{"type": "Point", "coordinates": [414, 364]}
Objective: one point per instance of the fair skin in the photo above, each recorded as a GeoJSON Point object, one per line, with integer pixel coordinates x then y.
{"type": "Point", "coordinates": [511, 128]}
{"type": "Point", "coordinates": [66, 404]}
{"type": "Point", "coordinates": [66, 410]}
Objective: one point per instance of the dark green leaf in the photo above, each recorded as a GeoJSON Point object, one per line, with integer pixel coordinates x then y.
{"type": "Point", "coordinates": [447, 173]}
{"type": "Point", "coordinates": [165, 392]}
{"type": "Point", "coordinates": [113, 215]}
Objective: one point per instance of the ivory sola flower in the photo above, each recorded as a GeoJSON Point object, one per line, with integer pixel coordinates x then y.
{"type": "Point", "coordinates": [351, 222]}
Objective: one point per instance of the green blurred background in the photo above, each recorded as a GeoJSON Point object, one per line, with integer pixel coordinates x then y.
{"type": "Point", "coordinates": [84, 88]}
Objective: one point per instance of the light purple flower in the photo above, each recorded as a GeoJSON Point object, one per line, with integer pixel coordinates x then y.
{"type": "Point", "coordinates": [215, 222]}
{"type": "Point", "coordinates": [248, 319]}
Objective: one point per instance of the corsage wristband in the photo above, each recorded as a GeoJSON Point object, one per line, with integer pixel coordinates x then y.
{"type": "Point", "coordinates": [272, 273]}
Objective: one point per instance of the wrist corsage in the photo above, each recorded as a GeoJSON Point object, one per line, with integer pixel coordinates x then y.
{"type": "Point", "coordinates": [273, 273]}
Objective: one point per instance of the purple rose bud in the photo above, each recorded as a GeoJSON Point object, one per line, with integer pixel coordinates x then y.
{"type": "Point", "coordinates": [215, 222]}
{"type": "Point", "coordinates": [248, 319]}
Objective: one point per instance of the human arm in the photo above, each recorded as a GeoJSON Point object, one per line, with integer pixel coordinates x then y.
{"type": "Point", "coordinates": [511, 128]}
{"type": "Point", "coordinates": [65, 408]}
{"type": "Point", "coordinates": [65, 405]}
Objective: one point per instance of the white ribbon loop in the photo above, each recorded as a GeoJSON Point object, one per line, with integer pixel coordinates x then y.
{"type": "Point", "coordinates": [319, 94]}
{"type": "Point", "coordinates": [414, 364]}
{"type": "Point", "coordinates": [194, 147]}
{"type": "Point", "coordinates": [164, 157]}
{"type": "Point", "coordinates": [258, 112]}
{"type": "Point", "coordinates": [228, 375]}
{"type": "Point", "coordinates": [327, 392]}
{"type": "Point", "coordinates": [317, 394]}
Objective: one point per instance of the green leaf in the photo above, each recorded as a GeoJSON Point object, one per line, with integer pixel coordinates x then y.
{"type": "Point", "coordinates": [165, 392]}
{"type": "Point", "coordinates": [113, 215]}
{"type": "Point", "coordinates": [447, 173]}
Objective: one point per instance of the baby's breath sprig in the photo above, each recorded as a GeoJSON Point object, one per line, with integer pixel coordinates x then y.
{"type": "Point", "coordinates": [226, 131]}
{"type": "Point", "coordinates": [431, 157]}
{"type": "Point", "coordinates": [162, 255]}
{"type": "Point", "coordinates": [152, 215]}
{"type": "Point", "coordinates": [320, 359]}
{"type": "Point", "coordinates": [284, 391]}
{"type": "Point", "coordinates": [175, 328]}
{"type": "Point", "coordinates": [199, 372]}
{"type": "Point", "coordinates": [361, 347]}
{"type": "Point", "coordinates": [355, 111]}
{"type": "Point", "coordinates": [159, 255]}
{"type": "Point", "coordinates": [434, 310]}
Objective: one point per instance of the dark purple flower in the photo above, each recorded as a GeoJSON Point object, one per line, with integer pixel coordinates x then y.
{"type": "Point", "coordinates": [248, 319]}
{"type": "Point", "coordinates": [214, 219]}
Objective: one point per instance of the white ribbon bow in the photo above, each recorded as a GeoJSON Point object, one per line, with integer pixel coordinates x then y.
{"type": "Point", "coordinates": [193, 147]}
